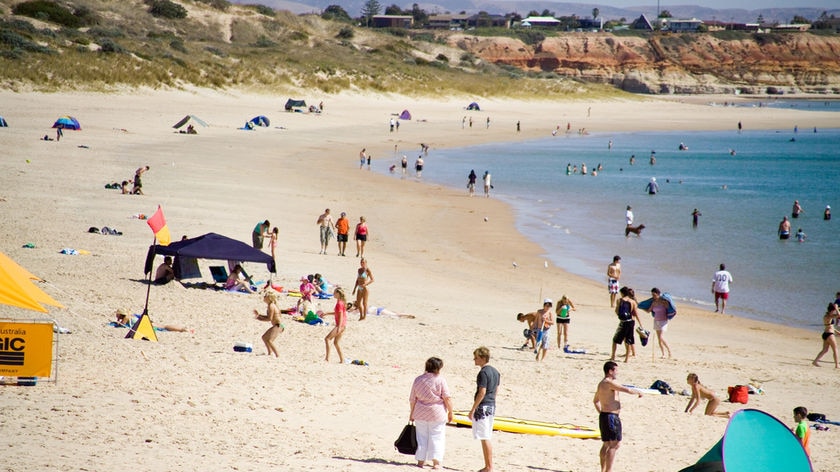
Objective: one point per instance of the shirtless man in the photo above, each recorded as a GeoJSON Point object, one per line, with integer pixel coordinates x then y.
{"type": "Point", "coordinates": [797, 209]}
{"type": "Point", "coordinates": [613, 274]}
{"type": "Point", "coordinates": [326, 225]}
{"type": "Point", "coordinates": [608, 406]}
{"type": "Point", "coordinates": [784, 228]}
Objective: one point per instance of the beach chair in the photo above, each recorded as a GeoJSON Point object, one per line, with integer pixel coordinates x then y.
{"type": "Point", "coordinates": [219, 273]}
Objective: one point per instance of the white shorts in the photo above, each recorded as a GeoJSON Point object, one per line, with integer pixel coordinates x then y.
{"type": "Point", "coordinates": [483, 428]}
{"type": "Point", "coordinates": [660, 325]}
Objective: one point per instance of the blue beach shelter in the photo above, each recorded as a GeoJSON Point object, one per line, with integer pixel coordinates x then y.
{"type": "Point", "coordinates": [67, 122]}
{"type": "Point", "coordinates": [260, 121]}
{"type": "Point", "coordinates": [3, 122]}
{"type": "Point", "coordinates": [754, 441]}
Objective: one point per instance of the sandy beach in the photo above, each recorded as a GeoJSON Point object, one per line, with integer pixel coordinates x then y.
{"type": "Point", "coordinates": [189, 402]}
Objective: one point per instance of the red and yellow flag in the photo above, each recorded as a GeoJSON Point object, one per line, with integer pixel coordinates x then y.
{"type": "Point", "coordinates": [158, 224]}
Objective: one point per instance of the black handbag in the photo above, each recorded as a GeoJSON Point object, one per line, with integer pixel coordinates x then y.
{"type": "Point", "coordinates": [407, 442]}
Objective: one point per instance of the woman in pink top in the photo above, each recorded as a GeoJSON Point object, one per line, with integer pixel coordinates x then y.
{"type": "Point", "coordinates": [361, 236]}
{"type": "Point", "coordinates": [340, 314]}
{"type": "Point", "coordinates": [659, 309]}
{"type": "Point", "coordinates": [431, 409]}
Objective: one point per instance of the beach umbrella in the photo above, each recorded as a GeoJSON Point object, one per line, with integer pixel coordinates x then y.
{"type": "Point", "coordinates": [67, 122]}
{"type": "Point", "coordinates": [17, 289]}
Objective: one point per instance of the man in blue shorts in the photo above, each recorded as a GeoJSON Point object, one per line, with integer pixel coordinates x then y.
{"type": "Point", "coordinates": [608, 406]}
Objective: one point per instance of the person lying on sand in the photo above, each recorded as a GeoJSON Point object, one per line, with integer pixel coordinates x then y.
{"type": "Point", "coordinates": [379, 311]}
{"type": "Point", "coordinates": [126, 321]}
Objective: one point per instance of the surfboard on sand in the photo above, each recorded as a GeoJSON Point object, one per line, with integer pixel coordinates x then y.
{"type": "Point", "coordinates": [516, 425]}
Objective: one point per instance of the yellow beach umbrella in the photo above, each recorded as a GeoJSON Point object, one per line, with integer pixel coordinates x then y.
{"type": "Point", "coordinates": [17, 288]}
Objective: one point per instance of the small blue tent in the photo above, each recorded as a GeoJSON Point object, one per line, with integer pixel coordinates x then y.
{"type": "Point", "coordinates": [3, 122]}
{"type": "Point", "coordinates": [473, 106]}
{"type": "Point", "coordinates": [260, 121]}
{"type": "Point", "coordinates": [67, 122]}
{"type": "Point", "coordinates": [753, 441]}
{"type": "Point", "coordinates": [405, 115]}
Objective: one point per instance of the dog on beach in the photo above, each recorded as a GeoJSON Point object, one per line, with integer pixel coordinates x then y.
{"type": "Point", "coordinates": [637, 230]}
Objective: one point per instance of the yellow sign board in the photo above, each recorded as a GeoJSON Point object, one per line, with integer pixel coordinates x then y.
{"type": "Point", "coordinates": [26, 349]}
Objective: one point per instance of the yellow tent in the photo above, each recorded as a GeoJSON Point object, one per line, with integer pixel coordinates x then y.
{"type": "Point", "coordinates": [17, 289]}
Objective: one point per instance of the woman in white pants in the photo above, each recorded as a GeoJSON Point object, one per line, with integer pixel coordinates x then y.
{"type": "Point", "coordinates": [431, 409]}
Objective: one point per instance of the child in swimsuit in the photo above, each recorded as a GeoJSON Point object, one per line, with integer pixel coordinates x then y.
{"type": "Point", "coordinates": [701, 392]}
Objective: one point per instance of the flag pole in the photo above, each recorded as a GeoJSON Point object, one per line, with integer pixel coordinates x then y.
{"type": "Point", "coordinates": [149, 280]}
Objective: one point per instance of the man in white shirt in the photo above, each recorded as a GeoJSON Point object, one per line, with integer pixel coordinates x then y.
{"type": "Point", "coordinates": [720, 287]}
{"type": "Point", "coordinates": [628, 217]}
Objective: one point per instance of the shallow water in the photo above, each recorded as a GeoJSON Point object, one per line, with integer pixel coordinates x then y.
{"type": "Point", "coordinates": [579, 220]}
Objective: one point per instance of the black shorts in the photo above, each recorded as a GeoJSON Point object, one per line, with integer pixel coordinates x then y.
{"type": "Point", "coordinates": [563, 320]}
{"type": "Point", "coordinates": [342, 238]}
{"type": "Point", "coordinates": [624, 333]}
{"type": "Point", "coordinates": [361, 237]}
{"type": "Point", "coordinates": [610, 425]}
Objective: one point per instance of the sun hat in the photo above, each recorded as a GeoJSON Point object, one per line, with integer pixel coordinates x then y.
{"type": "Point", "coordinates": [548, 301]}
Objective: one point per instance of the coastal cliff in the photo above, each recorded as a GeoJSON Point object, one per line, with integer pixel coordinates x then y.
{"type": "Point", "coordinates": [675, 63]}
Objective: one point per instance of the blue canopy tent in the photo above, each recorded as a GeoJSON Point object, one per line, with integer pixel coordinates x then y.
{"type": "Point", "coordinates": [3, 122]}
{"type": "Point", "coordinates": [67, 122]}
{"type": "Point", "coordinates": [260, 121]}
{"type": "Point", "coordinates": [210, 246]}
{"type": "Point", "coordinates": [753, 441]}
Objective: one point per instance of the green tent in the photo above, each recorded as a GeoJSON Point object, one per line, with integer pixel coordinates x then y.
{"type": "Point", "coordinates": [754, 441]}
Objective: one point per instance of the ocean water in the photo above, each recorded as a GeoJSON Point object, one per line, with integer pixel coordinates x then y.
{"type": "Point", "coordinates": [579, 220]}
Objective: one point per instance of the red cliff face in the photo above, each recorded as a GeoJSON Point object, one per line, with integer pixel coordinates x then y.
{"type": "Point", "coordinates": [675, 63]}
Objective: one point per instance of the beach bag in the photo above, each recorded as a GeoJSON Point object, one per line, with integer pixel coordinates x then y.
{"type": "Point", "coordinates": [406, 443]}
{"type": "Point", "coordinates": [663, 387]}
{"type": "Point", "coordinates": [738, 394]}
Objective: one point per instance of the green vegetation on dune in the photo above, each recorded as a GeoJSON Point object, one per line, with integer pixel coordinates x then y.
{"type": "Point", "coordinates": [104, 45]}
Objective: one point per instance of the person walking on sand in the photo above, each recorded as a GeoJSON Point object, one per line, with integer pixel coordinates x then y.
{"type": "Point", "coordinates": [701, 392]}
{"type": "Point", "coordinates": [720, 287]}
{"type": "Point", "coordinates": [361, 236]}
{"type": "Point", "coordinates": [362, 158]}
{"type": "Point", "coordinates": [543, 321]}
{"type": "Point", "coordinates": [628, 216]}
{"type": "Point", "coordinates": [484, 405]}
{"type": "Point", "coordinates": [259, 234]}
{"type": "Point", "coordinates": [431, 409]}
{"type": "Point", "coordinates": [364, 277]}
{"type": "Point", "coordinates": [272, 315]}
{"type": "Point", "coordinates": [662, 310]}
{"type": "Point", "coordinates": [342, 230]}
{"type": "Point", "coordinates": [325, 224]}
{"type": "Point", "coordinates": [614, 273]}
{"type": "Point", "coordinates": [487, 183]}
{"type": "Point", "coordinates": [608, 406]}
{"type": "Point", "coordinates": [628, 316]}
{"type": "Point", "coordinates": [471, 182]}
{"type": "Point", "coordinates": [340, 314]}
{"type": "Point", "coordinates": [828, 335]}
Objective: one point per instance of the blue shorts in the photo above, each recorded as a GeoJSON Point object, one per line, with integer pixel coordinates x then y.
{"type": "Point", "coordinates": [610, 425]}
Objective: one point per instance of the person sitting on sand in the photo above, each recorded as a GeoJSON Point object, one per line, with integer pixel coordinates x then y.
{"type": "Point", "coordinates": [701, 392]}
{"type": "Point", "coordinates": [235, 282]}
{"type": "Point", "coordinates": [165, 273]}
{"type": "Point", "coordinates": [272, 315]}
{"type": "Point", "coordinates": [124, 187]}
